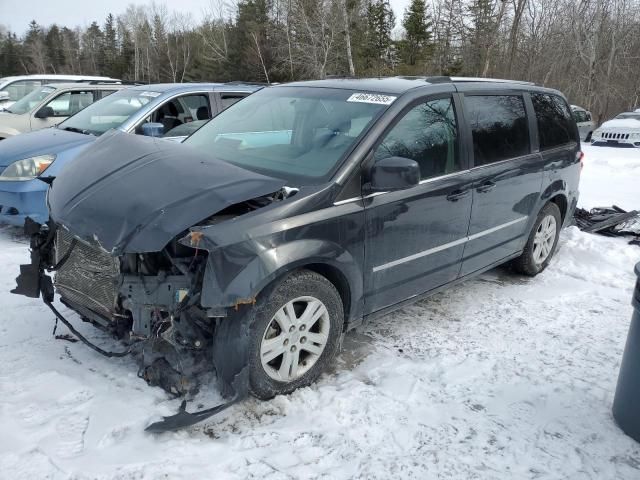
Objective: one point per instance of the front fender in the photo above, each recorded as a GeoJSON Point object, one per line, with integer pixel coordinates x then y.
{"type": "Point", "coordinates": [237, 274]}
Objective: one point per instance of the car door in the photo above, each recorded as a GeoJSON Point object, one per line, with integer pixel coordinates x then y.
{"type": "Point", "coordinates": [175, 113]}
{"type": "Point", "coordinates": [414, 238]}
{"type": "Point", "coordinates": [507, 176]}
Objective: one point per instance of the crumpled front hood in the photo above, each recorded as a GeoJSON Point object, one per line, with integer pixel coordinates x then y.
{"type": "Point", "coordinates": [134, 194]}
{"type": "Point", "coordinates": [40, 142]}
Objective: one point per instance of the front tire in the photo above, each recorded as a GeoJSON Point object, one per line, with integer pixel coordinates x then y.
{"type": "Point", "coordinates": [294, 334]}
{"type": "Point", "coordinates": [542, 242]}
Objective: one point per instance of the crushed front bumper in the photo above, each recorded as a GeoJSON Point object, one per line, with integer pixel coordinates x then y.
{"type": "Point", "coordinates": [19, 200]}
{"type": "Point", "coordinates": [144, 297]}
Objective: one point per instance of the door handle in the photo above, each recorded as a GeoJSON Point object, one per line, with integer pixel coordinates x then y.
{"type": "Point", "coordinates": [486, 187]}
{"type": "Point", "coordinates": [457, 195]}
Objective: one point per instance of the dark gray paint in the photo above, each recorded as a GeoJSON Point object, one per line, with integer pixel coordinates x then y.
{"type": "Point", "coordinates": [134, 194]}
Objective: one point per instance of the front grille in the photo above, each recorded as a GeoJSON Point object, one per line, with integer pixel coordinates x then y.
{"type": "Point", "coordinates": [89, 277]}
{"type": "Point", "coordinates": [615, 136]}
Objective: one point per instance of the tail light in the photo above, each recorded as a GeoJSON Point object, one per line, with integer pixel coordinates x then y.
{"type": "Point", "coordinates": [580, 157]}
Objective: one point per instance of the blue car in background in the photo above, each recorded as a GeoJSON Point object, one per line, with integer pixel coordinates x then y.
{"type": "Point", "coordinates": [172, 111]}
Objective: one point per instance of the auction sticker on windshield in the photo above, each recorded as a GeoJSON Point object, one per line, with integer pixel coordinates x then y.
{"type": "Point", "coordinates": [372, 98]}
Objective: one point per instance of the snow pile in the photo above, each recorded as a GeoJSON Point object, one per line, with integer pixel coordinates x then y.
{"type": "Point", "coordinates": [611, 176]}
{"type": "Point", "coordinates": [499, 377]}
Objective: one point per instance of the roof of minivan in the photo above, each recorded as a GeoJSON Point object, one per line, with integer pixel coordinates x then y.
{"type": "Point", "coordinates": [400, 85]}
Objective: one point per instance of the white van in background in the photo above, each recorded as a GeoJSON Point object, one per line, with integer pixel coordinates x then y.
{"type": "Point", "coordinates": [585, 122]}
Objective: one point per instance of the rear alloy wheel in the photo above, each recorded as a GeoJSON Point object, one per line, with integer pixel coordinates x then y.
{"type": "Point", "coordinates": [542, 242]}
{"type": "Point", "coordinates": [295, 333]}
{"type": "Point", "coordinates": [544, 239]}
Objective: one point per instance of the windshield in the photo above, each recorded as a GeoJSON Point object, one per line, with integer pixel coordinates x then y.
{"type": "Point", "coordinates": [632, 116]}
{"type": "Point", "coordinates": [26, 104]}
{"type": "Point", "coordinates": [300, 134]}
{"type": "Point", "coordinates": [108, 113]}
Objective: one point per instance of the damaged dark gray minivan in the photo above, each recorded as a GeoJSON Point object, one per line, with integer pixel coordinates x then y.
{"type": "Point", "coordinates": [298, 213]}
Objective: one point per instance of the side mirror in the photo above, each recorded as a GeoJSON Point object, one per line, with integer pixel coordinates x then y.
{"type": "Point", "coordinates": [394, 173]}
{"type": "Point", "coordinates": [45, 112]}
{"type": "Point", "coordinates": [153, 129]}
{"type": "Point", "coordinates": [4, 96]}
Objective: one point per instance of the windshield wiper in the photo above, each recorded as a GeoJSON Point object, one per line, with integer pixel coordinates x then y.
{"type": "Point", "coordinates": [77, 130]}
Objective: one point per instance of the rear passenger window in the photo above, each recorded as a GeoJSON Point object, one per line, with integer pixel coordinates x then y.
{"type": "Point", "coordinates": [428, 134]}
{"type": "Point", "coordinates": [499, 127]}
{"type": "Point", "coordinates": [556, 127]}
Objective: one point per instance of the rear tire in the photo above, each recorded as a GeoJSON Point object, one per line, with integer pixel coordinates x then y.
{"type": "Point", "coordinates": [542, 242]}
{"type": "Point", "coordinates": [588, 139]}
{"type": "Point", "coordinates": [294, 333]}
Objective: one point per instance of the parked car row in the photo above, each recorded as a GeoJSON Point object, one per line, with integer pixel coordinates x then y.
{"type": "Point", "coordinates": [290, 217]}
{"type": "Point", "coordinates": [14, 88]}
{"type": "Point", "coordinates": [48, 105]}
{"type": "Point", "coordinates": [167, 110]}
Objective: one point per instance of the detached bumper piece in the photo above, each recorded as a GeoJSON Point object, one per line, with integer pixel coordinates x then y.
{"type": "Point", "coordinates": [184, 419]}
{"type": "Point", "coordinates": [32, 280]}
{"type": "Point", "coordinates": [610, 221]}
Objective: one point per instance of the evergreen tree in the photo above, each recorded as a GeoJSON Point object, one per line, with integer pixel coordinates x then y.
{"type": "Point", "coordinates": [35, 49]}
{"type": "Point", "coordinates": [10, 54]}
{"type": "Point", "coordinates": [55, 51]}
{"type": "Point", "coordinates": [110, 47]}
{"type": "Point", "coordinates": [377, 52]}
{"type": "Point", "coordinates": [417, 26]}
{"type": "Point", "coordinates": [93, 54]}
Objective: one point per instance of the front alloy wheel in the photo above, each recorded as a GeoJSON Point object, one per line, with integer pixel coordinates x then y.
{"type": "Point", "coordinates": [295, 339]}
{"type": "Point", "coordinates": [295, 331]}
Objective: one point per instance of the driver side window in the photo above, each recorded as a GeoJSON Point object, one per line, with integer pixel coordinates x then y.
{"type": "Point", "coordinates": [428, 134]}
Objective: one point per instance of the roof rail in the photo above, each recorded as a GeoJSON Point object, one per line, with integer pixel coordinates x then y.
{"type": "Point", "coordinates": [438, 79]}
{"type": "Point", "coordinates": [493, 80]}
{"type": "Point", "coordinates": [108, 82]}
{"type": "Point", "coordinates": [240, 82]}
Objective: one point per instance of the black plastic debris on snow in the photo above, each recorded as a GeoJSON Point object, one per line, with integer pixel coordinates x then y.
{"type": "Point", "coordinates": [610, 221]}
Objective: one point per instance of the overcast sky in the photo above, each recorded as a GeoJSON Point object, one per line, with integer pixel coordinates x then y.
{"type": "Point", "coordinates": [16, 14]}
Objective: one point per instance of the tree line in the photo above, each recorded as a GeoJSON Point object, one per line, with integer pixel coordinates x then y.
{"type": "Point", "coordinates": [589, 49]}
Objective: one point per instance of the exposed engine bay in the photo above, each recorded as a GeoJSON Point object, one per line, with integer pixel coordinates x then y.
{"type": "Point", "coordinates": [149, 301]}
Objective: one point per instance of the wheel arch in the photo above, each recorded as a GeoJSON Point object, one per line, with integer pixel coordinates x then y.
{"type": "Point", "coordinates": [328, 259]}
{"type": "Point", "coordinates": [562, 203]}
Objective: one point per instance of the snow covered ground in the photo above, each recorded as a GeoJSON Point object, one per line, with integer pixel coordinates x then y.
{"type": "Point", "coordinates": [500, 377]}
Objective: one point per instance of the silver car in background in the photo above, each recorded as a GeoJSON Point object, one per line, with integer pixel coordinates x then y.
{"type": "Point", "coordinates": [14, 88]}
{"type": "Point", "coordinates": [585, 122]}
{"type": "Point", "coordinates": [51, 104]}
